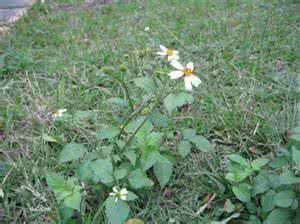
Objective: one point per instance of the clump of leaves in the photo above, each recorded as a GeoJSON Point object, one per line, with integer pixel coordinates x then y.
{"type": "Point", "coordinates": [268, 189]}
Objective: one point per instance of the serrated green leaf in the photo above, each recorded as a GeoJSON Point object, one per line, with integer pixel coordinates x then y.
{"type": "Point", "coordinates": [72, 151]}
{"type": "Point", "coordinates": [116, 211]}
{"type": "Point", "coordinates": [259, 163]}
{"type": "Point", "coordinates": [173, 101]}
{"type": "Point", "coordinates": [131, 156]}
{"type": "Point", "coordinates": [284, 199]}
{"type": "Point", "coordinates": [236, 177]}
{"type": "Point", "coordinates": [145, 83]}
{"type": "Point", "coordinates": [120, 173]}
{"type": "Point", "coordinates": [260, 183]}
{"type": "Point", "coordinates": [202, 143]}
{"type": "Point", "coordinates": [188, 133]}
{"type": "Point", "coordinates": [84, 171]}
{"type": "Point", "coordinates": [73, 201]}
{"type": "Point", "coordinates": [153, 138]}
{"type": "Point", "coordinates": [138, 179]}
{"type": "Point", "coordinates": [163, 172]}
{"type": "Point", "coordinates": [287, 178]}
{"type": "Point", "coordinates": [65, 190]}
{"type": "Point", "coordinates": [148, 159]}
{"type": "Point", "coordinates": [278, 162]}
{"type": "Point", "coordinates": [184, 148]}
{"type": "Point", "coordinates": [102, 170]}
{"type": "Point", "coordinates": [238, 159]}
{"type": "Point", "coordinates": [108, 133]}
{"type": "Point", "coordinates": [242, 192]}
{"type": "Point", "coordinates": [267, 201]}
{"type": "Point", "coordinates": [277, 216]}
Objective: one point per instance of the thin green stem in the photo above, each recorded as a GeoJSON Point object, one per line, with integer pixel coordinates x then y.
{"type": "Point", "coordinates": [146, 118]}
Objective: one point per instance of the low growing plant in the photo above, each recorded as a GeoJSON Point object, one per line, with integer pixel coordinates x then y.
{"type": "Point", "coordinates": [132, 156]}
{"type": "Point", "coordinates": [267, 188]}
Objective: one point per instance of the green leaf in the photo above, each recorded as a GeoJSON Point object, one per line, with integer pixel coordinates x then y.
{"type": "Point", "coordinates": [103, 171]}
{"type": "Point", "coordinates": [259, 163]}
{"type": "Point", "coordinates": [73, 201]}
{"type": "Point", "coordinates": [228, 206]}
{"type": "Point", "coordinates": [242, 192]}
{"type": "Point", "coordinates": [72, 151]}
{"type": "Point", "coordinates": [153, 138]}
{"type": "Point", "coordinates": [237, 177]}
{"type": "Point", "coordinates": [296, 156]}
{"type": "Point", "coordinates": [188, 133]}
{"type": "Point", "coordinates": [84, 171]}
{"type": "Point", "coordinates": [284, 199]}
{"type": "Point", "coordinates": [108, 133]}
{"type": "Point", "coordinates": [202, 143]}
{"type": "Point", "coordinates": [144, 131]}
{"type": "Point", "coordinates": [173, 101]}
{"type": "Point", "coordinates": [145, 83]}
{"type": "Point", "coordinates": [278, 162]}
{"type": "Point", "coordinates": [131, 196]}
{"type": "Point", "coordinates": [138, 179]}
{"type": "Point", "coordinates": [131, 156]}
{"type": "Point", "coordinates": [163, 172]}
{"type": "Point", "coordinates": [148, 159]}
{"type": "Point", "coordinates": [267, 201]}
{"type": "Point", "coordinates": [260, 183]}
{"type": "Point", "coordinates": [116, 211]}
{"type": "Point", "coordinates": [287, 178]}
{"type": "Point", "coordinates": [65, 190]}
{"type": "Point", "coordinates": [159, 120]}
{"type": "Point", "coordinates": [48, 138]}
{"type": "Point", "coordinates": [238, 159]}
{"type": "Point", "coordinates": [120, 173]}
{"type": "Point", "coordinates": [184, 148]}
{"type": "Point", "coordinates": [278, 216]}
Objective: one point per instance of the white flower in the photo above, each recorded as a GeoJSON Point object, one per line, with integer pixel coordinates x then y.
{"type": "Point", "coordinates": [147, 28]}
{"type": "Point", "coordinates": [171, 54]}
{"type": "Point", "coordinates": [122, 194]}
{"type": "Point", "coordinates": [58, 113]}
{"type": "Point", "coordinates": [190, 79]}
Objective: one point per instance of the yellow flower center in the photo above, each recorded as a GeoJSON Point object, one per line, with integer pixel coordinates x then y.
{"type": "Point", "coordinates": [169, 51]}
{"type": "Point", "coordinates": [188, 71]}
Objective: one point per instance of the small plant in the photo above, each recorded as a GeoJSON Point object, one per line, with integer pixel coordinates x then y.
{"type": "Point", "coordinates": [131, 154]}
{"type": "Point", "coordinates": [268, 189]}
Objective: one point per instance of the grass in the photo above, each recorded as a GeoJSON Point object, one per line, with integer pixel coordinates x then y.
{"type": "Point", "coordinates": [245, 52]}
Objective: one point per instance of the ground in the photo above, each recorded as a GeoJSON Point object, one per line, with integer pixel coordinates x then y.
{"type": "Point", "coordinates": [65, 53]}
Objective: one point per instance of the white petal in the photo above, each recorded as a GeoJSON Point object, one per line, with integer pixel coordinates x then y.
{"type": "Point", "coordinates": [173, 57]}
{"type": "Point", "coordinates": [123, 197]}
{"type": "Point", "coordinates": [188, 83]}
{"type": "Point", "coordinates": [115, 189]}
{"type": "Point", "coordinates": [175, 74]}
{"type": "Point", "coordinates": [177, 65]}
{"type": "Point", "coordinates": [195, 80]}
{"type": "Point", "coordinates": [175, 52]}
{"type": "Point", "coordinates": [112, 194]}
{"type": "Point", "coordinates": [116, 199]}
{"type": "Point", "coordinates": [124, 191]}
{"type": "Point", "coordinates": [161, 53]}
{"type": "Point", "coordinates": [163, 48]}
{"type": "Point", "coordinates": [190, 65]}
